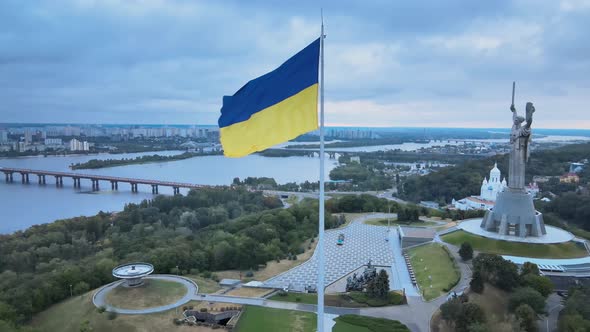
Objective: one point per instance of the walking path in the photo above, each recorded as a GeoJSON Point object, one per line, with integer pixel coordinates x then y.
{"type": "Point", "coordinates": [401, 275]}
{"type": "Point", "coordinates": [99, 298]}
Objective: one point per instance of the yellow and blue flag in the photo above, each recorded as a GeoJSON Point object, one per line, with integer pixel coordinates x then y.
{"type": "Point", "coordinates": [272, 108]}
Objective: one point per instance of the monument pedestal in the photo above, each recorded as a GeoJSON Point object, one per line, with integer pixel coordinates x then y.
{"type": "Point", "coordinates": [514, 214]}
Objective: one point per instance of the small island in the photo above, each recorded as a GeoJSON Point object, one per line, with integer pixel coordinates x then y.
{"type": "Point", "coordinates": [97, 163]}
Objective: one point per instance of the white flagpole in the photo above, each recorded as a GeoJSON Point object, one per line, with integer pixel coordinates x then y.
{"type": "Point", "coordinates": [320, 248]}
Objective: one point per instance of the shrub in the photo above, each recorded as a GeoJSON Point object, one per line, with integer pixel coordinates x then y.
{"type": "Point", "coordinates": [101, 309]}
{"type": "Point", "coordinates": [112, 315]}
{"type": "Point", "coordinates": [297, 299]}
{"type": "Point", "coordinates": [466, 251]}
{"type": "Point", "coordinates": [203, 310]}
{"type": "Point", "coordinates": [176, 321]}
{"type": "Point", "coordinates": [249, 274]}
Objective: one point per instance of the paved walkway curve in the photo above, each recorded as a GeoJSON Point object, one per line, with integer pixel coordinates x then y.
{"type": "Point", "coordinates": [191, 290]}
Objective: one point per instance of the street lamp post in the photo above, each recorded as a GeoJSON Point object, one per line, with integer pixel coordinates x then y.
{"type": "Point", "coordinates": [389, 219]}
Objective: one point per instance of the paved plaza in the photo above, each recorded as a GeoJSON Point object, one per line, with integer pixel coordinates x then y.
{"type": "Point", "coordinates": [361, 243]}
{"type": "Point", "coordinates": [554, 234]}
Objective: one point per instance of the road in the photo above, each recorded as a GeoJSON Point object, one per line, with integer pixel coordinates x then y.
{"type": "Point", "coordinates": [301, 195]}
{"type": "Point", "coordinates": [553, 307]}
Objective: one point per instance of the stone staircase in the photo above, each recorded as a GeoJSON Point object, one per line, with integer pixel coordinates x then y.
{"type": "Point", "coordinates": [410, 269]}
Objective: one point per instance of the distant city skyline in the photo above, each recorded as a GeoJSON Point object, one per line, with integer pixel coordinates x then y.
{"type": "Point", "coordinates": [388, 64]}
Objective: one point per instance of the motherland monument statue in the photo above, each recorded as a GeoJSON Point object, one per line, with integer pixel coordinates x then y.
{"type": "Point", "coordinates": [514, 212]}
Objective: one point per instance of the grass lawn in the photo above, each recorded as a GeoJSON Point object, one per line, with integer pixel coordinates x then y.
{"type": "Point", "coordinates": [432, 260]}
{"type": "Point", "coordinates": [394, 222]}
{"type": "Point", "coordinates": [68, 315]}
{"type": "Point", "coordinates": [152, 293]}
{"type": "Point", "coordinates": [355, 323]}
{"type": "Point", "coordinates": [559, 250]}
{"type": "Point", "coordinates": [206, 286]}
{"type": "Point", "coordinates": [260, 319]}
{"type": "Point", "coordinates": [346, 327]}
{"type": "Point", "coordinates": [351, 300]}
{"type": "Point", "coordinates": [579, 232]}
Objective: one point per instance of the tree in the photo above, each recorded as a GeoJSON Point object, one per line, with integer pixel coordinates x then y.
{"type": "Point", "coordinates": [451, 310]}
{"type": "Point", "coordinates": [529, 296]}
{"type": "Point", "coordinates": [461, 314]}
{"type": "Point", "coordinates": [575, 316]}
{"type": "Point", "coordinates": [526, 317]}
{"type": "Point", "coordinates": [477, 327]}
{"type": "Point", "coordinates": [382, 282]}
{"type": "Point", "coordinates": [7, 313]}
{"type": "Point", "coordinates": [573, 323]}
{"type": "Point", "coordinates": [471, 314]}
{"type": "Point", "coordinates": [401, 215]}
{"type": "Point", "coordinates": [81, 287]}
{"type": "Point", "coordinates": [497, 271]}
{"type": "Point", "coordinates": [541, 284]}
{"type": "Point", "coordinates": [477, 284]}
{"type": "Point", "coordinates": [529, 268]}
{"type": "Point", "coordinates": [466, 251]}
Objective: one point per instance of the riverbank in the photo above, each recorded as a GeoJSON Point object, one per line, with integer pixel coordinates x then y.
{"type": "Point", "coordinates": [98, 163]}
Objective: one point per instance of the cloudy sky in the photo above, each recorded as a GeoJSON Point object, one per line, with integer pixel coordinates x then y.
{"type": "Point", "coordinates": [388, 63]}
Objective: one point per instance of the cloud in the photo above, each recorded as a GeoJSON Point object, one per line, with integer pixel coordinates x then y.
{"type": "Point", "coordinates": [419, 63]}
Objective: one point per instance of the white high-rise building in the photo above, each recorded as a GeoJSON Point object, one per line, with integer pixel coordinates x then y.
{"type": "Point", "coordinates": [76, 145]}
{"type": "Point", "coordinates": [53, 141]}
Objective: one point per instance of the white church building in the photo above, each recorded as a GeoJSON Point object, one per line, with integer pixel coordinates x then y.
{"type": "Point", "coordinates": [487, 197]}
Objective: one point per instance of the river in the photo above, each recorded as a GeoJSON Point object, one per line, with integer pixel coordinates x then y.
{"type": "Point", "coordinates": [22, 206]}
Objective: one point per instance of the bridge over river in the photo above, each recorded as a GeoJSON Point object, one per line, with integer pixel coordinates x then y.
{"type": "Point", "coordinates": [94, 178]}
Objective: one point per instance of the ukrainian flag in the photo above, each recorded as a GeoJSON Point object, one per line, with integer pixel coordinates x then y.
{"type": "Point", "coordinates": [272, 108]}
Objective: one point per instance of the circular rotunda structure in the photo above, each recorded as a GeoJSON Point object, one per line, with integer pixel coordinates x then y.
{"type": "Point", "coordinates": [133, 273]}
